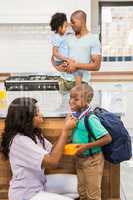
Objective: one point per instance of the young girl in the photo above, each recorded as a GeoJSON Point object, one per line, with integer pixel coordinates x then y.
{"type": "Point", "coordinates": [60, 51]}
{"type": "Point", "coordinates": [28, 151]}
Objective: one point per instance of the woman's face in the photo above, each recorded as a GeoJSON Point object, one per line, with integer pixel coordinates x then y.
{"type": "Point", "coordinates": [38, 119]}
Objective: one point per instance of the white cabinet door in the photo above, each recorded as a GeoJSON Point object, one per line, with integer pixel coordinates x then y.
{"type": "Point", "coordinates": [112, 96]}
{"type": "Point", "coordinates": [118, 97]}
{"type": "Point", "coordinates": [128, 117]}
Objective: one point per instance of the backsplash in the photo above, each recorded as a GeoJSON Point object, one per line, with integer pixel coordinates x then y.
{"type": "Point", "coordinates": [24, 31]}
{"type": "Point", "coordinates": [25, 48]}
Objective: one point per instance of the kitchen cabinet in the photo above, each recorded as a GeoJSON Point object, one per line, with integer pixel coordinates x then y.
{"type": "Point", "coordinates": [128, 117]}
{"type": "Point", "coordinates": [52, 128]}
{"type": "Point", "coordinates": [117, 97]}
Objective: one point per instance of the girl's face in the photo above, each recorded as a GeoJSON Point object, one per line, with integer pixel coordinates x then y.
{"type": "Point", "coordinates": [62, 29]}
{"type": "Point", "coordinates": [38, 119]}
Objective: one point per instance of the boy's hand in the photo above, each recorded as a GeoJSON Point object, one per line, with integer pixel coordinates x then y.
{"type": "Point", "coordinates": [81, 148]}
{"type": "Point", "coordinates": [70, 123]}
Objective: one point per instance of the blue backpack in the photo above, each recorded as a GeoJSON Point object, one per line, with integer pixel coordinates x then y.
{"type": "Point", "coordinates": [120, 149]}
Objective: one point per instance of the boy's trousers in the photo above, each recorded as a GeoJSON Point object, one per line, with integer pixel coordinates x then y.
{"type": "Point", "coordinates": [89, 173]}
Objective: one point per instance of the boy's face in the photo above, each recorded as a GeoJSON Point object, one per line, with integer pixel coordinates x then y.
{"type": "Point", "coordinates": [77, 101]}
{"type": "Point", "coordinates": [62, 29]}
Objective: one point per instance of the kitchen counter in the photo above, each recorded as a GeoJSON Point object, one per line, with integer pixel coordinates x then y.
{"type": "Point", "coordinates": [52, 128]}
{"type": "Point", "coordinates": [112, 76]}
{"type": "Point", "coordinates": [4, 76]}
{"type": "Point", "coordinates": [97, 76]}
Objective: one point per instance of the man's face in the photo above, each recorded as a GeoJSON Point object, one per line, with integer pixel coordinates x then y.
{"type": "Point", "coordinates": [76, 24]}
{"type": "Point", "coordinates": [77, 100]}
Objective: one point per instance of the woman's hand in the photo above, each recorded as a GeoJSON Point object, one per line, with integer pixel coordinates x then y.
{"type": "Point", "coordinates": [70, 123]}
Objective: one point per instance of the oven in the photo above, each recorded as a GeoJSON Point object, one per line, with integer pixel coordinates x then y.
{"type": "Point", "coordinates": [45, 89]}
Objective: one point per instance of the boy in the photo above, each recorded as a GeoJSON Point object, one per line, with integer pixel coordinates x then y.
{"type": "Point", "coordinates": [89, 167]}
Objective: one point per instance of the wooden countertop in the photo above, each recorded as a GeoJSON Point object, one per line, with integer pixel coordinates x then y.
{"type": "Point", "coordinates": [97, 76]}
{"type": "Point", "coordinates": [3, 76]}
{"type": "Point", "coordinates": [111, 76]}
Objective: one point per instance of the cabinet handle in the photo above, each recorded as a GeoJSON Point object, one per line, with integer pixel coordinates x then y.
{"type": "Point", "coordinates": [118, 85]}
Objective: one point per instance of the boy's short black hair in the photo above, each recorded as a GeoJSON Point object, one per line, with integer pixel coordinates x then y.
{"type": "Point", "coordinates": [57, 20]}
{"type": "Point", "coordinates": [86, 90]}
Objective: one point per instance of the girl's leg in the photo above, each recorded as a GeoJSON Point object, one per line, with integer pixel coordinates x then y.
{"type": "Point", "coordinates": [78, 77]}
{"type": "Point", "coordinates": [78, 80]}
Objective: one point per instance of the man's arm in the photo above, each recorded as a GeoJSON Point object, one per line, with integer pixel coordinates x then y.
{"type": "Point", "coordinates": [94, 65]}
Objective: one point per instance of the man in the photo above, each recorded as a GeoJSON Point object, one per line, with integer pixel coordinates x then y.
{"type": "Point", "coordinates": [84, 48]}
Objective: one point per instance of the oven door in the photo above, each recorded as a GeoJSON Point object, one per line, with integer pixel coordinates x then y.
{"type": "Point", "coordinates": [50, 102]}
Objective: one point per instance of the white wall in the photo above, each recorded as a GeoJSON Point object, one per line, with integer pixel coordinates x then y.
{"type": "Point", "coordinates": [38, 10]}
{"type": "Point", "coordinates": [19, 54]}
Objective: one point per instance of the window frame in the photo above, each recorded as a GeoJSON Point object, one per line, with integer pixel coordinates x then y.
{"type": "Point", "coordinates": [112, 59]}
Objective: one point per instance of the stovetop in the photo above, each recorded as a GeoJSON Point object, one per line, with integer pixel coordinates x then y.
{"type": "Point", "coordinates": [30, 78]}
{"type": "Point", "coordinates": [32, 83]}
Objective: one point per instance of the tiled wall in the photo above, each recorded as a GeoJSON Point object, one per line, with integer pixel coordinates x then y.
{"type": "Point", "coordinates": [25, 47]}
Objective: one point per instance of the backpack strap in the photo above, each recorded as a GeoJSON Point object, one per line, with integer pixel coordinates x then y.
{"type": "Point", "coordinates": [90, 134]}
{"type": "Point", "coordinates": [87, 126]}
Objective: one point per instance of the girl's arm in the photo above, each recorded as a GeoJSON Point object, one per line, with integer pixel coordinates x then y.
{"type": "Point", "coordinates": [60, 68]}
{"type": "Point", "coordinates": [56, 54]}
{"type": "Point", "coordinates": [52, 159]}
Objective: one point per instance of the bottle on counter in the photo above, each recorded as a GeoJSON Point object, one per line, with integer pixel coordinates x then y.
{"type": "Point", "coordinates": [3, 102]}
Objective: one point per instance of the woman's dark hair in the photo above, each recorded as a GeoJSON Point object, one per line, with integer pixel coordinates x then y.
{"type": "Point", "coordinates": [19, 120]}
{"type": "Point", "coordinates": [57, 20]}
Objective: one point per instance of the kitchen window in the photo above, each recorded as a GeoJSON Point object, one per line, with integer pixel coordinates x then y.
{"type": "Point", "coordinates": [116, 32]}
